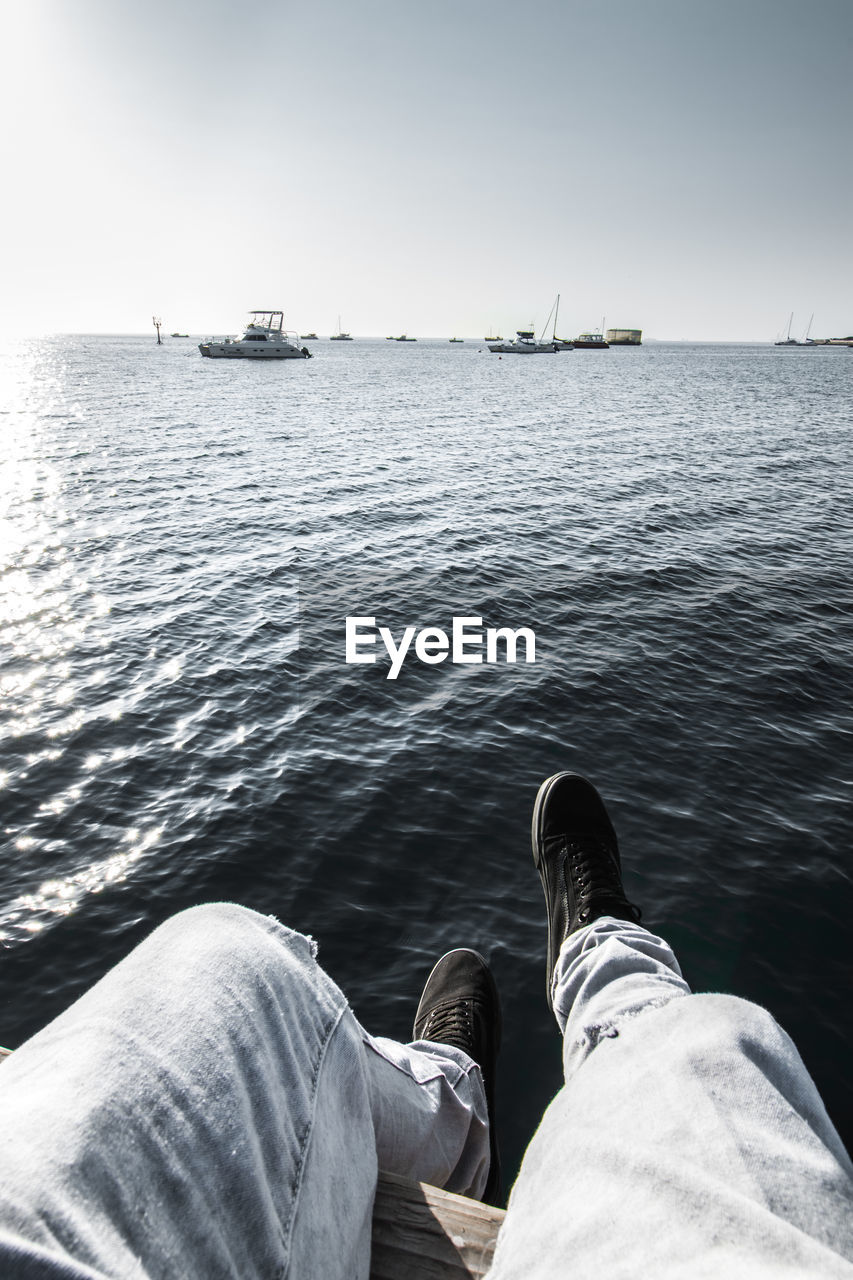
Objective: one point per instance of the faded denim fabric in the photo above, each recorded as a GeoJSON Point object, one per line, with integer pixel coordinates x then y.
{"type": "Point", "coordinates": [688, 1141]}
{"type": "Point", "coordinates": [212, 1108]}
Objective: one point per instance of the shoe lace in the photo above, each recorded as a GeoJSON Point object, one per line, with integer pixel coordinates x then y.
{"type": "Point", "coordinates": [596, 881]}
{"type": "Point", "coordinates": [451, 1024]}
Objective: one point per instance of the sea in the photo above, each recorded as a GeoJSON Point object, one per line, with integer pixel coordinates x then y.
{"type": "Point", "coordinates": [183, 540]}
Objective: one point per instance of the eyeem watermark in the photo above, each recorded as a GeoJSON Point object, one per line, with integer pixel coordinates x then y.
{"type": "Point", "coordinates": [465, 643]}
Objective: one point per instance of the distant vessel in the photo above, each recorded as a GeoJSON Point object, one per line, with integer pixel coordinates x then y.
{"type": "Point", "coordinates": [340, 336]}
{"type": "Point", "coordinates": [524, 344]}
{"type": "Point", "coordinates": [787, 341]}
{"type": "Point", "coordinates": [560, 344]}
{"type": "Point", "coordinates": [309, 337]}
{"type": "Point", "coordinates": [624, 337]}
{"type": "Point", "coordinates": [179, 335]}
{"type": "Point", "coordinates": [402, 338]}
{"type": "Point", "coordinates": [455, 339]}
{"type": "Point", "coordinates": [591, 342]}
{"type": "Point", "coordinates": [264, 337]}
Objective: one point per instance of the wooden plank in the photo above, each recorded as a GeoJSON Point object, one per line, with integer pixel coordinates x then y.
{"type": "Point", "coordinates": [422, 1233]}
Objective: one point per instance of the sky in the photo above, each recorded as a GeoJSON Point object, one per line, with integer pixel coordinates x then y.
{"type": "Point", "coordinates": [440, 169]}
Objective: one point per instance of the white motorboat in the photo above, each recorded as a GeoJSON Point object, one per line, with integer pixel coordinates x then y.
{"type": "Point", "coordinates": [524, 344]}
{"type": "Point", "coordinates": [264, 338]}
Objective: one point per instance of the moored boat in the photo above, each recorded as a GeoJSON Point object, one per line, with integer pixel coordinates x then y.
{"type": "Point", "coordinates": [591, 342]}
{"type": "Point", "coordinates": [787, 341]}
{"type": "Point", "coordinates": [524, 344]}
{"type": "Point", "coordinates": [560, 344]}
{"type": "Point", "coordinates": [264, 337]}
{"type": "Point", "coordinates": [340, 336]}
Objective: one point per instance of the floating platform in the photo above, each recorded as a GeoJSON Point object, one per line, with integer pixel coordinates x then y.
{"type": "Point", "coordinates": [624, 337]}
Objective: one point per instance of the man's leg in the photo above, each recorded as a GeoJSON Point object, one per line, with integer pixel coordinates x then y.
{"type": "Point", "coordinates": [689, 1138]}
{"type": "Point", "coordinates": [213, 1108]}
{"type": "Point", "coordinates": [607, 973]}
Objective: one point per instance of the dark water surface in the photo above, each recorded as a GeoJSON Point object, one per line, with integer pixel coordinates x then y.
{"type": "Point", "coordinates": [181, 541]}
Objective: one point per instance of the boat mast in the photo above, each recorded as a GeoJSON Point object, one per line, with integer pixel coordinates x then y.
{"type": "Point", "coordinates": [548, 321]}
{"type": "Point", "coordinates": [556, 313]}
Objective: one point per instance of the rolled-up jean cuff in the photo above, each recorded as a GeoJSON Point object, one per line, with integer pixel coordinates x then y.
{"type": "Point", "coordinates": [608, 972]}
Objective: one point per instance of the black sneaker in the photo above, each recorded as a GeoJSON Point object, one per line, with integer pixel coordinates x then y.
{"type": "Point", "coordinates": [460, 1006]}
{"type": "Point", "coordinates": [577, 856]}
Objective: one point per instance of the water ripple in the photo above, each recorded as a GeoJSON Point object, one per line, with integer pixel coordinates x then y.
{"type": "Point", "coordinates": [181, 543]}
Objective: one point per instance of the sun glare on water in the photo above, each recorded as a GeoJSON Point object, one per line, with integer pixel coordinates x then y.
{"type": "Point", "coordinates": [51, 609]}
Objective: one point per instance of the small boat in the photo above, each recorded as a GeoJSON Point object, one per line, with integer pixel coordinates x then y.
{"type": "Point", "coordinates": [591, 342]}
{"type": "Point", "coordinates": [560, 344]}
{"type": "Point", "coordinates": [788, 341]}
{"type": "Point", "coordinates": [340, 336]}
{"type": "Point", "coordinates": [264, 337]}
{"type": "Point", "coordinates": [179, 335]}
{"type": "Point", "coordinates": [494, 338]}
{"type": "Point", "coordinates": [402, 338]}
{"type": "Point", "coordinates": [308, 337]}
{"type": "Point", "coordinates": [455, 339]}
{"type": "Point", "coordinates": [524, 344]}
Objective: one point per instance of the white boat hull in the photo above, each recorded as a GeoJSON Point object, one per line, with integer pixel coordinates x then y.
{"type": "Point", "coordinates": [252, 351]}
{"type": "Point", "coordinates": [523, 348]}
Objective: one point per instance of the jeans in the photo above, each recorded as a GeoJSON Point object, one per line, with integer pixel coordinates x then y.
{"type": "Point", "coordinates": [213, 1108]}
{"type": "Point", "coordinates": [688, 1139]}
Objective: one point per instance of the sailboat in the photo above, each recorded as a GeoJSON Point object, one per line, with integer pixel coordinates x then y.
{"type": "Point", "coordinates": [340, 336]}
{"type": "Point", "coordinates": [560, 344]}
{"type": "Point", "coordinates": [787, 341]}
